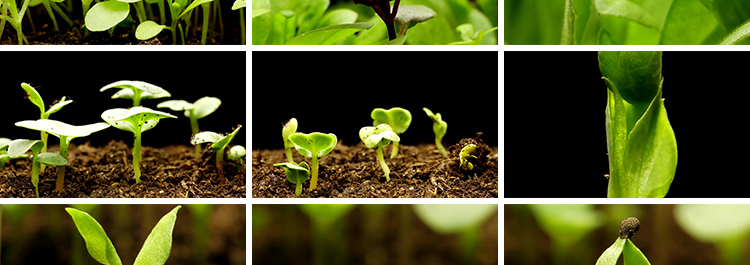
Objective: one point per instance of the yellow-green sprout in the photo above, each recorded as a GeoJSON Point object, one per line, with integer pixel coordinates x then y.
{"type": "Point", "coordinates": [19, 147]}
{"type": "Point", "coordinates": [296, 174]}
{"type": "Point", "coordinates": [397, 118]}
{"type": "Point", "coordinates": [314, 146]}
{"type": "Point", "coordinates": [439, 127]}
{"type": "Point", "coordinates": [377, 137]}
{"type": "Point", "coordinates": [289, 129]}
{"type": "Point", "coordinates": [220, 142]}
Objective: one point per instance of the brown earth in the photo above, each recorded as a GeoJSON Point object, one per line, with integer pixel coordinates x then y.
{"type": "Point", "coordinates": [353, 171]}
{"type": "Point", "coordinates": [107, 172]}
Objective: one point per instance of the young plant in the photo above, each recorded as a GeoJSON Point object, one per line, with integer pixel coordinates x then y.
{"type": "Point", "coordinates": [66, 133]}
{"type": "Point", "coordinates": [194, 111]}
{"type": "Point", "coordinates": [155, 250]}
{"type": "Point", "coordinates": [36, 99]}
{"type": "Point", "coordinates": [15, 18]}
{"type": "Point", "coordinates": [106, 15]}
{"type": "Point", "coordinates": [136, 120]}
{"type": "Point", "coordinates": [397, 118]}
{"type": "Point", "coordinates": [314, 146]}
{"type": "Point", "coordinates": [220, 142]}
{"type": "Point", "coordinates": [289, 129]}
{"type": "Point", "coordinates": [4, 157]}
{"type": "Point", "coordinates": [640, 141]}
{"type": "Point", "coordinates": [236, 153]}
{"type": "Point", "coordinates": [50, 6]}
{"type": "Point", "coordinates": [439, 127]}
{"type": "Point", "coordinates": [296, 174]}
{"type": "Point", "coordinates": [136, 90]}
{"type": "Point", "coordinates": [469, 36]}
{"type": "Point", "coordinates": [19, 147]}
{"type": "Point", "coordinates": [377, 137]}
{"type": "Point", "coordinates": [150, 29]}
{"type": "Point", "coordinates": [466, 159]}
{"type": "Point", "coordinates": [623, 245]}
{"type": "Point", "coordinates": [384, 11]}
{"type": "Point", "coordinates": [240, 4]}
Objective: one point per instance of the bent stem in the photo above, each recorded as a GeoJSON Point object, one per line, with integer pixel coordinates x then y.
{"type": "Point", "coordinates": [137, 155]}
{"type": "Point", "coordinates": [314, 179]}
{"type": "Point", "coordinates": [394, 151]}
{"type": "Point", "coordinates": [383, 165]}
{"type": "Point", "coordinates": [440, 147]}
{"type": "Point", "coordinates": [61, 169]}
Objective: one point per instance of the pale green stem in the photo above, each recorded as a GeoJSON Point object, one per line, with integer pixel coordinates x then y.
{"type": "Point", "coordinates": [439, 144]}
{"type": "Point", "coordinates": [242, 25]}
{"type": "Point", "coordinates": [137, 155]}
{"type": "Point", "coordinates": [35, 173]}
{"type": "Point", "coordinates": [44, 136]}
{"type": "Point", "coordinates": [204, 34]}
{"type": "Point", "coordinates": [140, 11]}
{"type": "Point", "coordinates": [61, 169]}
{"type": "Point", "coordinates": [470, 243]}
{"type": "Point", "coordinates": [51, 14]}
{"type": "Point", "coordinates": [59, 10]}
{"type": "Point", "coordinates": [394, 151]}
{"type": "Point", "coordinates": [162, 14]}
{"type": "Point", "coordinates": [289, 154]}
{"type": "Point", "coordinates": [314, 179]}
{"type": "Point", "coordinates": [136, 98]}
{"type": "Point", "coordinates": [220, 164]}
{"type": "Point", "coordinates": [383, 165]}
{"type": "Point", "coordinates": [298, 190]}
{"type": "Point", "coordinates": [194, 129]}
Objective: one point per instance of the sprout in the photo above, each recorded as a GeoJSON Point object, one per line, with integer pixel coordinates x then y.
{"type": "Point", "coordinates": [66, 133]}
{"type": "Point", "coordinates": [314, 145]}
{"type": "Point", "coordinates": [379, 136]}
{"type": "Point", "coordinates": [466, 158]}
{"type": "Point", "coordinates": [236, 153]}
{"type": "Point", "coordinates": [136, 120]}
{"type": "Point", "coordinates": [17, 148]}
{"type": "Point", "coordinates": [240, 4]}
{"type": "Point", "coordinates": [289, 128]}
{"type": "Point", "coordinates": [136, 90]}
{"type": "Point", "coordinates": [35, 98]}
{"type": "Point", "coordinates": [194, 111]}
{"type": "Point", "coordinates": [439, 127]}
{"type": "Point", "coordinates": [623, 245]}
{"type": "Point", "coordinates": [397, 118]}
{"type": "Point", "coordinates": [220, 143]}
{"type": "Point", "coordinates": [296, 174]}
{"type": "Point", "coordinates": [4, 157]}
{"type": "Point", "coordinates": [155, 249]}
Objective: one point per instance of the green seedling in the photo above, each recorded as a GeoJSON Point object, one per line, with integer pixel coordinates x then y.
{"type": "Point", "coordinates": [178, 10]}
{"type": "Point", "coordinates": [466, 159]}
{"type": "Point", "coordinates": [236, 153]}
{"type": "Point", "coordinates": [641, 144]}
{"type": "Point", "coordinates": [296, 174]}
{"type": "Point", "coordinates": [66, 133]}
{"type": "Point", "coordinates": [220, 142]}
{"type": "Point", "coordinates": [4, 157]}
{"type": "Point", "coordinates": [49, 6]}
{"type": "Point", "coordinates": [439, 127]}
{"type": "Point", "coordinates": [397, 118]}
{"type": "Point", "coordinates": [194, 111]}
{"type": "Point", "coordinates": [108, 14]}
{"type": "Point", "coordinates": [19, 147]}
{"type": "Point", "coordinates": [377, 137]}
{"type": "Point", "coordinates": [136, 120]}
{"type": "Point", "coordinates": [15, 18]}
{"type": "Point", "coordinates": [623, 245]}
{"type": "Point", "coordinates": [36, 99]}
{"type": "Point", "coordinates": [136, 90]}
{"type": "Point", "coordinates": [155, 250]}
{"type": "Point", "coordinates": [240, 5]}
{"type": "Point", "coordinates": [314, 146]}
{"type": "Point", "coordinates": [289, 129]}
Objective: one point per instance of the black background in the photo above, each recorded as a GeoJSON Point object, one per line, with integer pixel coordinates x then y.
{"type": "Point", "coordinates": [335, 92]}
{"type": "Point", "coordinates": [555, 125]}
{"type": "Point", "coordinates": [80, 75]}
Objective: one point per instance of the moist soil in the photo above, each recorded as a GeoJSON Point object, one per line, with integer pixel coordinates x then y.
{"type": "Point", "coordinates": [353, 172]}
{"type": "Point", "coordinates": [107, 172]}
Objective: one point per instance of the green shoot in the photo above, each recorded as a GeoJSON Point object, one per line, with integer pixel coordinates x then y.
{"type": "Point", "coordinates": [15, 18]}
{"type": "Point", "coordinates": [194, 111]}
{"type": "Point", "coordinates": [4, 157]}
{"type": "Point", "coordinates": [623, 245]}
{"type": "Point", "coordinates": [36, 99]}
{"type": "Point", "coordinates": [136, 120]}
{"type": "Point", "coordinates": [397, 118]}
{"type": "Point", "coordinates": [155, 250]}
{"type": "Point", "coordinates": [439, 127]}
{"type": "Point", "coordinates": [296, 174]}
{"type": "Point", "coordinates": [314, 146]}
{"type": "Point", "coordinates": [289, 129]}
{"type": "Point", "coordinates": [466, 158]}
{"type": "Point", "coordinates": [220, 142]}
{"type": "Point", "coordinates": [236, 153]}
{"type": "Point", "coordinates": [150, 29]}
{"type": "Point", "coordinates": [19, 147]}
{"type": "Point", "coordinates": [469, 36]}
{"type": "Point", "coordinates": [240, 4]}
{"type": "Point", "coordinates": [136, 90]}
{"type": "Point", "coordinates": [66, 133]}
{"type": "Point", "coordinates": [377, 137]}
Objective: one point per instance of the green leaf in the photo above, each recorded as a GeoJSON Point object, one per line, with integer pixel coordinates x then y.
{"type": "Point", "coordinates": [261, 22]}
{"type": "Point", "coordinates": [148, 30]}
{"type": "Point", "coordinates": [568, 31]}
{"type": "Point", "coordinates": [328, 35]}
{"type": "Point", "coordinates": [687, 16]}
{"type": "Point", "coordinates": [205, 106]}
{"type": "Point", "coordinates": [193, 5]}
{"type": "Point", "coordinates": [438, 125]}
{"type": "Point", "coordinates": [284, 27]}
{"type": "Point", "coordinates": [18, 147]}
{"type": "Point", "coordinates": [317, 144]}
{"type": "Point", "coordinates": [628, 10]}
{"type": "Point", "coordinates": [205, 137]}
{"type": "Point", "coordinates": [135, 85]}
{"type": "Point", "coordinates": [57, 106]}
{"type": "Point", "coordinates": [242, 3]}
{"type": "Point", "coordinates": [413, 14]}
{"type": "Point", "coordinates": [731, 13]}
{"type": "Point", "coordinates": [397, 118]}
{"type": "Point", "coordinates": [295, 173]}
{"type": "Point", "coordinates": [98, 244]}
{"type": "Point", "coordinates": [155, 250]}
{"type": "Point", "coordinates": [378, 136]}
{"type": "Point", "coordinates": [176, 105]}
{"type": "Point", "coordinates": [105, 15]}
{"type": "Point", "coordinates": [445, 20]}
{"type": "Point", "coordinates": [132, 118]}
{"type": "Point", "coordinates": [454, 218]}
{"type": "Point", "coordinates": [738, 35]}
{"type": "Point", "coordinates": [61, 129]}
{"type": "Point", "coordinates": [236, 153]}
{"type": "Point", "coordinates": [612, 254]}
{"type": "Point", "coordinates": [224, 141]}
{"type": "Point", "coordinates": [309, 17]}
{"type": "Point", "coordinates": [51, 159]}
{"type": "Point", "coordinates": [632, 255]}
{"type": "Point", "coordinates": [337, 17]}
{"type": "Point", "coordinates": [33, 96]}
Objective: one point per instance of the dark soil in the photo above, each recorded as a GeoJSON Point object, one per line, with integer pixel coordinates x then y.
{"type": "Point", "coordinates": [353, 171]}
{"type": "Point", "coordinates": [107, 172]}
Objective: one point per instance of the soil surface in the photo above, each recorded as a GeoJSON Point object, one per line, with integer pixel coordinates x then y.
{"type": "Point", "coordinates": [353, 171]}
{"type": "Point", "coordinates": [107, 172]}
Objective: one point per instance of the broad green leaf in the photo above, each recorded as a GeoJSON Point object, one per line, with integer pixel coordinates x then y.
{"type": "Point", "coordinates": [97, 243]}
{"type": "Point", "coordinates": [687, 16]}
{"type": "Point", "coordinates": [129, 119]}
{"type": "Point", "coordinates": [628, 10]}
{"type": "Point", "coordinates": [295, 173]}
{"type": "Point", "coordinates": [738, 35]}
{"type": "Point", "coordinates": [261, 23]}
{"type": "Point", "coordinates": [51, 159]}
{"type": "Point", "coordinates": [521, 28]}
{"type": "Point", "coordinates": [337, 17]}
{"type": "Point", "coordinates": [19, 147]}
{"type": "Point", "coordinates": [284, 27]}
{"type": "Point", "coordinates": [224, 141]}
{"type": "Point", "coordinates": [176, 105]}
{"type": "Point", "coordinates": [33, 96]}
{"type": "Point", "coordinates": [309, 17]}
{"type": "Point", "coordinates": [148, 30]}
{"type": "Point", "coordinates": [105, 15]}
{"type": "Point", "coordinates": [129, 1]}
{"type": "Point", "coordinates": [155, 250]}
{"type": "Point", "coordinates": [612, 254]}
{"type": "Point", "coordinates": [731, 13]}
{"type": "Point", "coordinates": [205, 106]}
{"type": "Point", "coordinates": [454, 218]}
{"type": "Point", "coordinates": [435, 30]}
{"type": "Point", "coordinates": [632, 255]}
{"type": "Point", "coordinates": [328, 35]}
{"type": "Point", "coordinates": [397, 118]}
{"type": "Point", "coordinates": [637, 74]}
{"type": "Point", "coordinates": [58, 128]}
{"type": "Point", "coordinates": [260, 12]}
{"type": "Point", "coordinates": [134, 85]}
{"type": "Point", "coordinates": [317, 144]}
{"type": "Point", "coordinates": [242, 3]}
{"type": "Point", "coordinates": [378, 136]}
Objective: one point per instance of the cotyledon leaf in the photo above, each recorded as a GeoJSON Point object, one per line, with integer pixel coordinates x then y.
{"type": "Point", "coordinates": [155, 250]}
{"type": "Point", "coordinates": [319, 144]}
{"type": "Point", "coordinates": [632, 255]}
{"type": "Point", "coordinates": [97, 242]}
{"type": "Point", "coordinates": [610, 256]}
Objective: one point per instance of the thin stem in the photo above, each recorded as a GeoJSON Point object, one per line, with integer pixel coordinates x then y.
{"type": "Point", "coordinates": [204, 34]}
{"type": "Point", "coordinates": [35, 173]}
{"type": "Point", "coordinates": [59, 10]}
{"type": "Point", "coordinates": [194, 129]}
{"type": "Point", "coordinates": [137, 155]}
{"type": "Point", "coordinates": [137, 98]}
{"type": "Point", "coordinates": [298, 190]}
{"type": "Point", "coordinates": [440, 147]}
{"type": "Point", "coordinates": [162, 13]}
{"type": "Point", "coordinates": [383, 165]}
{"type": "Point", "coordinates": [140, 11]}
{"type": "Point", "coordinates": [289, 156]}
{"type": "Point", "coordinates": [394, 151]}
{"type": "Point", "coordinates": [314, 179]}
{"type": "Point", "coordinates": [242, 25]}
{"type": "Point", "coordinates": [220, 164]}
{"type": "Point", "coordinates": [44, 136]}
{"type": "Point", "coordinates": [61, 169]}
